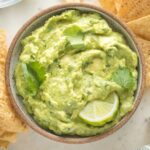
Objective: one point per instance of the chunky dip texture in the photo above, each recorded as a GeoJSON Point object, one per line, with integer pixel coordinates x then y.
{"type": "Point", "coordinates": [73, 59]}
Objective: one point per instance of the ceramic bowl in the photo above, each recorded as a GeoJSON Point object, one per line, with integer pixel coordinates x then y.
{"type": "Point", "coordinates": [15, 50]}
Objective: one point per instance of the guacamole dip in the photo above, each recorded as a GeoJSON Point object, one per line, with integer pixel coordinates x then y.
{"type": "Point", "coordinates": [73, 59]}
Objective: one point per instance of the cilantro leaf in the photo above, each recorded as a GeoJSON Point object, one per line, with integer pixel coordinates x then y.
{"type": "Point", "coordinates": [37, 70]}
{"type": "Point", "coordinates": [72, 30]}
{"type": "Point", "coordinates": [124, 78]}
{"type": "Point", "coordinates": [34, 75]}
{"type": "Point", "coordinates": [74, 36]}
{"type": "Point", "coordinates": [31, 83]}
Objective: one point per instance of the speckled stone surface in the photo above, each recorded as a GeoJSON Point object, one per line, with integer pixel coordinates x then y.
{"type": "Point", "coordinates": [132, 136]}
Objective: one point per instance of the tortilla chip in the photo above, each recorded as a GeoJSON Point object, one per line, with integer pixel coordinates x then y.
{"type": "Point", "coordinates": [108, 5]}
{"type": "Point", "coordinates": [3, 47]}
{"type": "Point", "coordinates": [132, 9]}
{"type": "Point", "coordinates": [8, 137]}
{"type": "Point", "coordinates": [9, 121]}
{"type": "Point", "coordinates": [141, 27]}
{"type": "Point", "coordinates": [1, 132]}
{"type": "Point", "coordinates": [72, 1]}
{"type": "Point", "coordinates": [117, 5]}
{"type": "Point", "coordinates": [145, 47]}
{"type": "Point", "coordinates": [4, 144]}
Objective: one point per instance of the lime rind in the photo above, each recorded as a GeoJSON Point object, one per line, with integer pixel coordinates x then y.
{"type": "Point", "coordinates": [98, 113]}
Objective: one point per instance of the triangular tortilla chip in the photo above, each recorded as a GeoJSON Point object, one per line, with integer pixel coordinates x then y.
{"type": "Point", "coordinates": [141, 27]}
{"type": "Point", "coordinates": [8, 137]}
{"type": "Point", "coordinates": [4, 144]}
{"type": "Point", "coordinates": [117, 5]}
{"type": "Point", "coordinates": [72, 1]}
{"type": "Point", "coordinates": [145, 47]}
{"type": "Point", "coordinates": [9, 121]}
{"type": "Point", "coordinates": [108, 5]}
{"type": "Point", "coordinates": [1, 132]}
{"type": "Point", "coordinates": [132, 9]}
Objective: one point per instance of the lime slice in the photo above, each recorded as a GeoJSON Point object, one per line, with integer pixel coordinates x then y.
{"type": "Point", "coordinates": [98, 113]}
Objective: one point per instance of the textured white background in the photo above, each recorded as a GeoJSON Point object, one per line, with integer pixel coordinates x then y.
{"type": "Point", "coordinates": [133, 135]}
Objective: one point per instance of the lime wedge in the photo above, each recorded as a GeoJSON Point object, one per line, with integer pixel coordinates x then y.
{"type": "Point", "coordinates": [98, 113]}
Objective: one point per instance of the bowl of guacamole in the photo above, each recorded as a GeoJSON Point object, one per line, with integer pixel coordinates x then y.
{"type": "Point", "coordinates": [75, 73]}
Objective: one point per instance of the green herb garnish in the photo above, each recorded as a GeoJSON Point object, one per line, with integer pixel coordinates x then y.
{"type": "Point", "coordinates": [124, 78]}
{"type": "Point", "coordinates": [74, 36]}
{"type": "Point", "coordinates": [37, 70]}
{"type": "Point", "coordinates": [34, 75]}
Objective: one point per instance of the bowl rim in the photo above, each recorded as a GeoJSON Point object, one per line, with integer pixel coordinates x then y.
{"type": "Point", "coordinates": [72, 140]}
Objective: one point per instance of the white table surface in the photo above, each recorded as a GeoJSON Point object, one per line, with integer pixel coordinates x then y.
{"type": "Point", "coordinates": [133, 135]}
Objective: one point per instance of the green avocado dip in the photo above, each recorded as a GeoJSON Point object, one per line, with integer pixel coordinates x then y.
{"type": "Point", "coordinates": [73, 59]}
